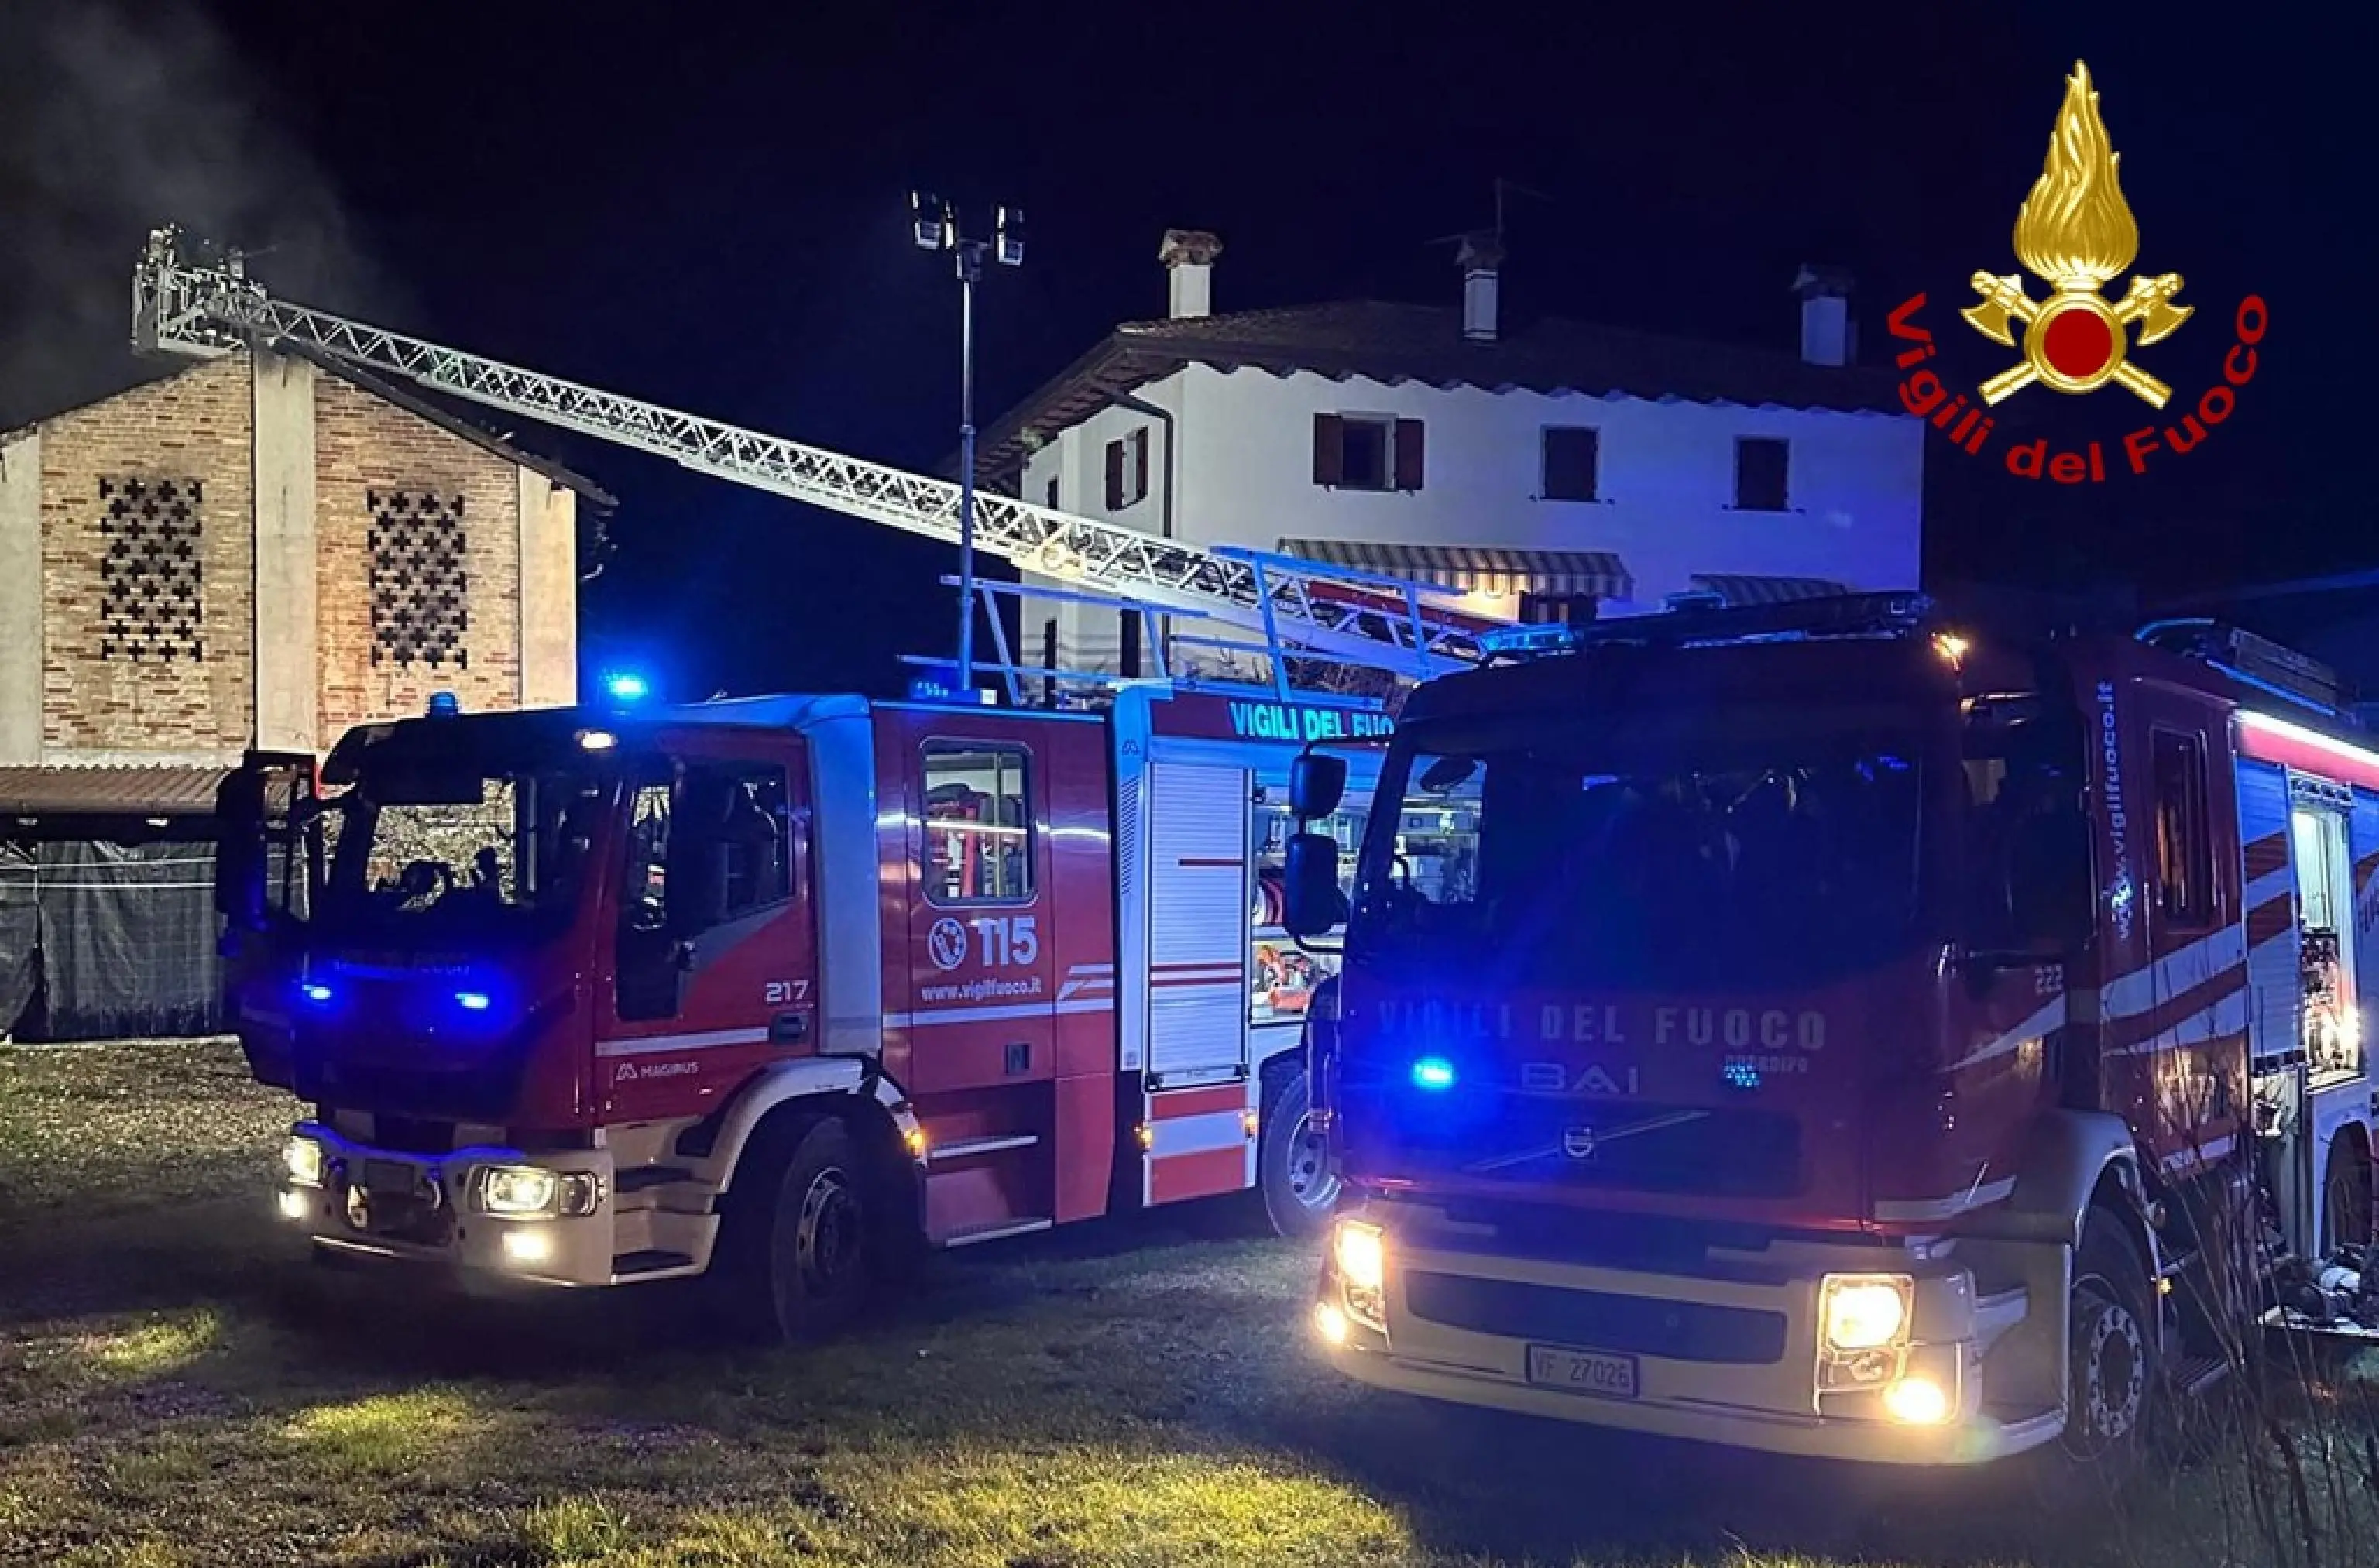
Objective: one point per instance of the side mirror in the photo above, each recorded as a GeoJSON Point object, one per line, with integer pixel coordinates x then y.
{"type": "Point", "coordinates": [241, 868]}
{"type": "Point", "coordinates": [1317, 782]}
{"type": "Point", "coordinates": [1311, 904]}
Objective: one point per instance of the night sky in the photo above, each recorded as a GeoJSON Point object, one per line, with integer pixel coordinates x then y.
{"type": "Point", "coordinates": [707, 209]}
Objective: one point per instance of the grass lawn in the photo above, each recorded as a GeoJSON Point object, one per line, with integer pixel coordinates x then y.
{"type": "Point", "coordinates": [178, 1388]}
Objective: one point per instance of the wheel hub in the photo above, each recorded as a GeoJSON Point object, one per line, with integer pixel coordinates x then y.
{"type": "Point", "coordinates": [2114, 1371]}
{"type": "Point", "coordinates": [1310, 1181]}
{"type": "Point", "coordinates": [824, 1241]}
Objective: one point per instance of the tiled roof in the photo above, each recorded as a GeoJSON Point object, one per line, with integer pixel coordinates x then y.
{"type": "Point", "coordinates": [109, 792]}
{"type": "Point", "coordinates": [1389, 343]}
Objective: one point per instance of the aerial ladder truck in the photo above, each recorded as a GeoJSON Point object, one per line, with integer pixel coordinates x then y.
{"type": "Point", "coordinates": [781, 991]}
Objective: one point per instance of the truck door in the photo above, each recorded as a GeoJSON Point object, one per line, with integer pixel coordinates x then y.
{"type": "Point", "coordinates": [266, 864]}
{"type": "Point", "coordinates": [979, 930]}
{"type": "Point", "coordinates": [713, 940]}
{"type": "Point", "coordinates": [2179, 1024]}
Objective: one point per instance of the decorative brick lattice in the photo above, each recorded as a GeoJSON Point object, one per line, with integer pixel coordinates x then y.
{"type": "Point", "coordinates": [151, 600]}
{"type": "Point", "coordinates": [421, 611]}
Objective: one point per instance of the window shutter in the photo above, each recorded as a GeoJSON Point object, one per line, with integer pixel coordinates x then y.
{"type": "Point", "coordinates": [1329, 456]}
{"type": "Point", "coordinates": [1139, 465]}
{"type": "Point", "coordinates": [1409, 454]}
{"type": "Point", "coordinates": [1114, 475]}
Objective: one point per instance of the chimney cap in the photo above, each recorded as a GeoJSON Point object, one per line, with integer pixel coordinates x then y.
{"type": "Point", "coordinates": [1195, 248]}
{"type": "Point", "coordinates": [1816, 281]}
{"type": "Point", "coordinates": [1479, 253]}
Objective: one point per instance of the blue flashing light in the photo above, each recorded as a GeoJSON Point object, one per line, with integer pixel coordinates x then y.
{"type": "Point", "coordinates": [627, 686]}
{"type": "Point", "coordinates": [1432, 1073]}
{"type": "Point", "coordinates": [472, 1001]}
{"type": "Point", "coordinates": [315, 991]}
{"type": "Point", "coordinates": [1741, 1075]}
{"type": "Point", "coordinates": [444, 705]}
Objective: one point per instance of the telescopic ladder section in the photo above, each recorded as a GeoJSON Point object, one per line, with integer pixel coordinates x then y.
{"type": "Point", "coordinates": [203, 309]}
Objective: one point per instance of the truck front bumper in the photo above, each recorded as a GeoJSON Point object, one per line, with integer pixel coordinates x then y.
{"type": "Point", "coordinates": [431, 1209]}
{"type": "Point", "coordinates": [1734, 1356]}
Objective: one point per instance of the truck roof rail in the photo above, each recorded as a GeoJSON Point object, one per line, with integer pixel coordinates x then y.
{"type": "Point", "coordinates": [1835, 615]}
{"type": "Point", "coordinates": [2252, 660]}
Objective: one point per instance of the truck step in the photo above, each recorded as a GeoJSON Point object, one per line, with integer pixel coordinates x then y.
{"type": "Point", "coordinates": [935, 1153]}
{"type": "Point", "coordinates": [2193, 1376]}
{"type": "Point", "coordinates": [998, 1230]}
{"type": "Point", "coordinates": [630, 1264]}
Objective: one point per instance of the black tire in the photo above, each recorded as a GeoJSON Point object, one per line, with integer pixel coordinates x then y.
{"type": "Point", "coordinates": [1299, 1193]}
{"type": "Point", "coordinates": [2113, 1381]}
{"type": "Point", "coordinates": [820, 1265]}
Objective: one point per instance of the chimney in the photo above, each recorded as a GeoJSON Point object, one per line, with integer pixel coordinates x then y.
{"type": "Point", "coordinates": [1829, 336]}
{"type": "Point", "coordinates": [1189, 255]}
{"type": "Point", "coordinates": [1480, 257]}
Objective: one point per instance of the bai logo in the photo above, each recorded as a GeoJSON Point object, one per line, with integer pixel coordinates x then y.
{"type": "Point", "coordinates": [2075, 233]}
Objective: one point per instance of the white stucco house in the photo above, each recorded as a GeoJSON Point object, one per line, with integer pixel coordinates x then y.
{"type": "Point", "coordinates": [1550, 469]}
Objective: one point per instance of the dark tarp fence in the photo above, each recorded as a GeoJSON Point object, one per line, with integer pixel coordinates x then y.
{"type": "Point", "coordinates": [101, 940]}
{"type": "Point", "coordinates": [20, 925]}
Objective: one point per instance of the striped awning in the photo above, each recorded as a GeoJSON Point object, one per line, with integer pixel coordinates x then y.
{"type": "Point", "coordinates": [1738, 591]}
{"type": "Point", "coordinates": [1478, 568]}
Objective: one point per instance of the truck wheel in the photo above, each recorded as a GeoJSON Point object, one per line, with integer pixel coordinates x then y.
{"type": "Point", "coordinates": [820, 1254]}
{"type": "Point", "coordinates": [1292, 1166]}
{"type": "Point", "coordinates": [2113, 1370]}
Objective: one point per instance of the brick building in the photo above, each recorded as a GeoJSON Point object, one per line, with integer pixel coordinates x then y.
{"type": "Point", "coordinates": [260, 551]}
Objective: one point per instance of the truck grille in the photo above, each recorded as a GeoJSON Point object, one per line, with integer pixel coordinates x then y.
{"type": "Point", "coordinates": [1681, 1331]}
{"type": "Point", "coordinates": [1537, 1141]}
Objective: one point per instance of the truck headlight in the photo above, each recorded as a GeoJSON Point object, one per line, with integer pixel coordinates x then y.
{"type": "Point", "coordinates": [1864, 1311]}
{"type": "Point", "coordinates": [1362, 1253]}
{"type": "Point", "coordinates": [304, 1160]}
{"type": "Point", "coordinates": [527, 1192]}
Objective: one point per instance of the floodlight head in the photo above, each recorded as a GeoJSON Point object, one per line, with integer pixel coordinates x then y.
{"type": "Point", "coordinates": [931, 216]}
{"type": "Point", "coordinates": [1008, 237]}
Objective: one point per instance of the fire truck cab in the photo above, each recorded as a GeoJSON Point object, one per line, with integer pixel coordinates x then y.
{"type": "Point", "coordinates": [1825, 1029]}
{"type": "Point", "coordinates": [778, 989]}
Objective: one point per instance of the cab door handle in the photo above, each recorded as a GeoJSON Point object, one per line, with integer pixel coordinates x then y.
{"type": "Point", "coordinates": [788, 1029]}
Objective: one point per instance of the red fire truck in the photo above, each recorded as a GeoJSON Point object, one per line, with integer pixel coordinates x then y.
{"type": "Point", "coordinates": [777, 988]}
{"type": "Point", "coordinates": [1809, 1030]}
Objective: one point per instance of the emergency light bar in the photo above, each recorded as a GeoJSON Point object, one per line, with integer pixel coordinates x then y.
{"type": "Point", "coordinates": [1836, 615]}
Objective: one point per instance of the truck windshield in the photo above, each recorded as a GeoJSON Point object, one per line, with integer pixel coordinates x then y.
{"type": "Point", "coordinates": [1787, 861]}
{"type": "Point", "coordinates": [474, 852]}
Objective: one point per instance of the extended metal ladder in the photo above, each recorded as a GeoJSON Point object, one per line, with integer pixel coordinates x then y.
{"type": "Point", "coordinates": [200, 311]}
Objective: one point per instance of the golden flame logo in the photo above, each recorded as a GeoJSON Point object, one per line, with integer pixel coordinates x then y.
{"type": "Point", "coordinates": [2074, 233]}
{"type": "Point", "coordinates": [2075, 225]}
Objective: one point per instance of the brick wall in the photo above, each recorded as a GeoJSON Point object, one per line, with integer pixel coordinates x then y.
{"type": "Point", "coordinates": [101, 693]}
{"type": "Point", "coordinates": [363, 445]}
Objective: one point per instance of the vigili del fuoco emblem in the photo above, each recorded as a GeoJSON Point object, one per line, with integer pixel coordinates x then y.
{"type": "Point", "coordinates": [2075, 233]}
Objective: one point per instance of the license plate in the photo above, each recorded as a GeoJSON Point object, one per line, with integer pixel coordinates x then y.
{"type": "Point", "coordinates": [1582, 1372]}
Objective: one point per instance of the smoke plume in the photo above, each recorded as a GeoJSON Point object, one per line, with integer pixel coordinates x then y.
{"type": "Point", "coordinates": [115, 116]}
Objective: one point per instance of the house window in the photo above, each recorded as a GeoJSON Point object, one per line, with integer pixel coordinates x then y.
{"type": "Point", "coordinates": [1762, 467]}
{"type": "Point", "coordinates": [419, 588]}
{"type": "Point", "coordinates": [152, 601]}
{"type": "Point", "coordinates": [1127, 470]}
{"type": "Point", "coordinates": [978, 824]}
{"type": "Point", "coordinates": [1050, 500]}
{"type": "Point", "coordinates": [2184, 846]}
{"type": "Point", "coordinates": [1363, 452]}
{"type": "Point", "coordinates": [1558, 609]}
{"type": "Point", "coordinates": [1573, 458]}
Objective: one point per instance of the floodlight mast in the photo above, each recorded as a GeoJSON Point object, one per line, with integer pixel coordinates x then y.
{"type": "Point", "coordinates": [936, 227]}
